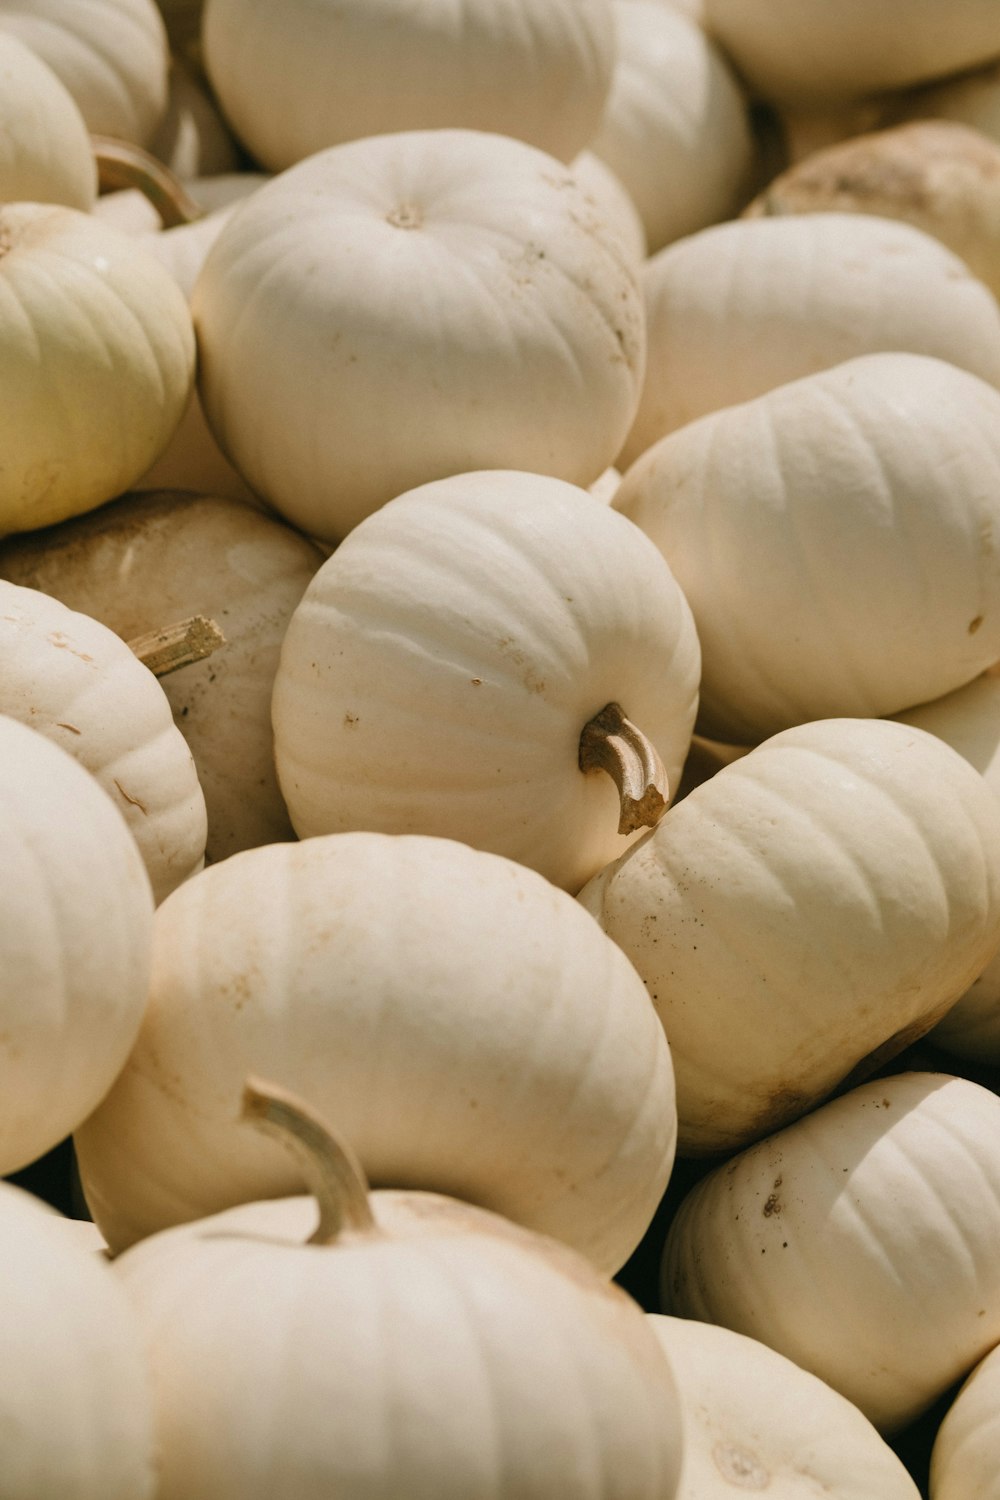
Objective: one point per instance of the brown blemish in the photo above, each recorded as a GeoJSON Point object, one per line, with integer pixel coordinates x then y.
{"type": "Point", "coordinates": [975, 624]}
{"type": "Point", "coordinates": [129, 798]}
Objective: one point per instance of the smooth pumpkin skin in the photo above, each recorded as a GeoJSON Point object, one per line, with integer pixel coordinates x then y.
{"type": "Point", "coordinates": [965, 1458]}
{"type": "Point", "coordinates": [315, 73]}
{"type": "Point", "coordinates": [755, 1422]}
{"type": "Point", "coordinates": [78, 683]}
{"type": "Point", "coordinates": [451, 1356]}
{"type": "Point", "coordinates": [97, 358]}
{"type": "Point", "coordinates": [742, 307]}
{"type": "Point", "coordinates": [413, 305]}
{"type": "Point", "coordinates": [837, 538]}
{"type": "Point", "coordinates": [889, 1198]}
{"type": "Point", "coordinates": [76, 1407]}
{"type": "Point", "coordinates": [76, 912]}
{"type": "Point", "coordinates": [439, 671]}
{"type": "Point", "coordinates": [818, 903]}
{"type": "Point", "coordinates": [112, 56]}
{"type": "Point", "coordinates": [45, 150]}
{"type": "Point", "coordinates": [463, 1023]}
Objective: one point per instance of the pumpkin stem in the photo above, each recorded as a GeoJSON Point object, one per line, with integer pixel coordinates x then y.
{"type": "Point", "coordinates": [120, 164]}
{"type": "Point", "coordinates": [332, 1172]}
{"type": "Point", "coordinates": [175, 646]}
{"type": "Point", "coordinates": [611, 742]}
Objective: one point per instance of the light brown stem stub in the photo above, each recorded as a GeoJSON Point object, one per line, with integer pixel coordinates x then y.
{"type": "Point", "coordinates": [611, 742]}
{"type": "Point", "coordinates": [330, 1169]}
{"type": "Point", "coordinates": [179, 645]}
{"type": "Point", "coordinates": [120, 164]}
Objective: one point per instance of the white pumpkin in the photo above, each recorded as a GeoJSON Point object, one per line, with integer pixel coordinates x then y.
{"type": "Point", "coordinates": [860, 1242]}
{"type": "Point", "coordinates": [414, 1346]}
{"type": "Point", "coordinates": [409, 306]}
{"type": "Point", "coordinates": [97, 362]}
{"type": "Point", "coordinates": [742, 307]}
{"type": "Point", "coordinates": [804, 914]}
{"type": "Point", "coordinates": [45, 151]}
{"type": "Point", "coordinates": [466, 1025]}
{"type": "Point", "coordinates": [147, 560]}
{"type": "Point", "coordinates": [75, 1407]}
{"type": "Point", "coordinates": [440, 671]}
{"type": "Point", "coordinates": [965, 1458]}
{"type": "Point", "coordinates": [313, 73]}
{"type": "Point", "coordinates": [76, 915]}
{"type": "Point", "coordinates": [676, 126]}
{"type": "Point", "coordinates": [837, 539]}
{"type": "Point", "coordinates": [112, 56]}
{"type": "Point", "coordinates": [755, 1422]}
{"type": "Point", "coordinates": [607, 191]}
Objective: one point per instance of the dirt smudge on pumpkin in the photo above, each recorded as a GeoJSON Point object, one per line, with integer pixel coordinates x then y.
{"type": "Point", "coordinates": [134, 801]}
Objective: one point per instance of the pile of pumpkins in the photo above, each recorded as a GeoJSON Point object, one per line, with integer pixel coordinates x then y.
{"type": "Point", "coordinates": [500, 749]}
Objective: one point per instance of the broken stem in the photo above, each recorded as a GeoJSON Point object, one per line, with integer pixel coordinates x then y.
{"type": "Point", "coordinates": [175, 646]}
{"type": "Point", "coordinates": [611, 742]}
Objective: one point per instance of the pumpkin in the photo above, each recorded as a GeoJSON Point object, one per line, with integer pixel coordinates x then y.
{"type": "Point", "coordinates": [965, 1457]}
{"type": "Point", "coordinates": [80, 685]}
{"type": "Point", "coordinates": [753, 1421]}
{"type": "Point", "coordinates": [414, 305]}
{"type": "Point", "coordinates": [319, 72]}
{"type": "Point", "coordinates": [162, 556]}
{"type": "Point", "coordinates": [466, 1024]}
{"type": "Point", "coordinates": [742, 307]}
{"type": "Point", "coordinates": [890, 1198]}
{"type": "Point", "coordinates": [112, 56]}
{"type": "Point", "coordinates": [97, 363]}
{"type": "Point", "coordinates": [440, 673]}
{"type": "Point", "coordinates": [818, 903]}
{"type": "Point", "coordinates": [605, 190]}
{"type": "Point", "coordinates": [75, 937]}
{"type": "Point", "coordinates": [937, 174]}
{"type": "Point", "coordinates": [676, 126]}
{"type": "Point", "coordinates": [413, 1345]}
{"type": "Point", "coordinates": [75, 1407]}
{"type": "Point", "coordinates": [45, 152]}
{"type": "Point", "coordinates": [971, 98]}
{"type": "Point", "coordinates": [836, 539]}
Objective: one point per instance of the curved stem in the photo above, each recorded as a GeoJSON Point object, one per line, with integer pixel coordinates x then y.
{"type": "Point", "coordinates": [120, 164]}
{"type": "Point", "coordinates": [332, 1172]}
{"type": "Point", "coordinates": [175, 646]}
{"type": "Point", "coordinates": [611, 742]}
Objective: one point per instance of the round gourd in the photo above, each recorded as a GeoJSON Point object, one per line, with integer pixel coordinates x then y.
{"type": "Point", "coordinates": [414, 1346]}
{"type": "Point", "coordinates": [965, 1458]}
{"type": "Point", "coordinates": [97, 361]}
{"type": "Point", "coordinates": [410, 306]}
{"type": "Point", "coordinates": [834, 539]}
{"type": "Point", "coordinates": [755, 1422]}
{"type": "Point", "coordinates": [442, 667]}
{"type": "Point", "coordinates": [315, 73]}
{"type": "Point", "coordinates": [163, 556]}
{"type": "Point", "coordinates": [75, 1407]}
{"type": "Point", "coordinates": [79, 684]}
{"type": "Point", "coordinates": [817, 904]}
{"type": "Point", "coordinates": [742, 307]}
{"type": "Point", "coordinates": [466, 1025]}
{"type": "Point", "coordinates": [860, 1242]}
{"type": "Point", "coordinates": [45, 151]}
{"type": "Point", "coordinates": [75, 935]}
{"type": "Point", "coordinates": [112, 56]}
{"type": "Point", "coordinates": [676, 126]}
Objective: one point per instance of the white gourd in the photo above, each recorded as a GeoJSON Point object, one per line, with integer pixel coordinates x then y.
{"type": "Point", "coordinates": [45, 150]}
{"type": "Point", "coordinates": [965, 1458]}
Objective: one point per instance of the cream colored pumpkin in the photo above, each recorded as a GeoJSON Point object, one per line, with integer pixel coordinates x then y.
{"type": "Point", "coordinates": [96, 363]}
{"type": "Point", "coordinates": [75, 1406]}
{"type": "Point", "coordinates": [754, 1422]}
{"type": "Point", "coordinates": [465, 1024]}
{"type": "Point", "coordinates": [860, 1242]}
{"type": "Point", "coordinates": [416, 1346]}
{"type": "Point", "coordinates": [313, 73]}
{"type": "Point", "coordinates": [440, 670]}
{"type": "Point", "coordinates": [746, 306]}
{"type": "Point", "coordinates": [112, 55]}
{"type": "Point", "coordinates": [965, 1458]}
{"type": "Point", "coordinates": [609, 194]}
{"type": "Point", "coordinates": [837, 539]}
{"type": "Point", "coordinates": [79, 684]}
{"type": "Point", "coordinates": [805, 50]}
{"type": "Point", "coordinates": [75, 933]}
{"type": "Point", "coordinates": [818, 904]}
{"type": "Point", "coordinates": [45, 150]}
{"type": "Point", "coordinates": [409, 306]}
{"type": "Point", "coordinates": [150, 559]}
{"type": "Point", "coordinates": [676, 126]}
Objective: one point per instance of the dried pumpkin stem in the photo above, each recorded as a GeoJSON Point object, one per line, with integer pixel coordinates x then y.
{"type": "Point", "coordinates": [179, 645]}
{"type": "Point", "coordinates": [331, 1171]}
{"type": "Point", "coordinates": [120, 164]}
{"type": "Point", "coordinates": [611, 742]}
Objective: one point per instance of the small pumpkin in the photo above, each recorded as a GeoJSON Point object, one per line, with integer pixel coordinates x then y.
{"type": "Point", "coordinates": [965, 1458]}
{"type": "Point", "coordinates": [45, 151]}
